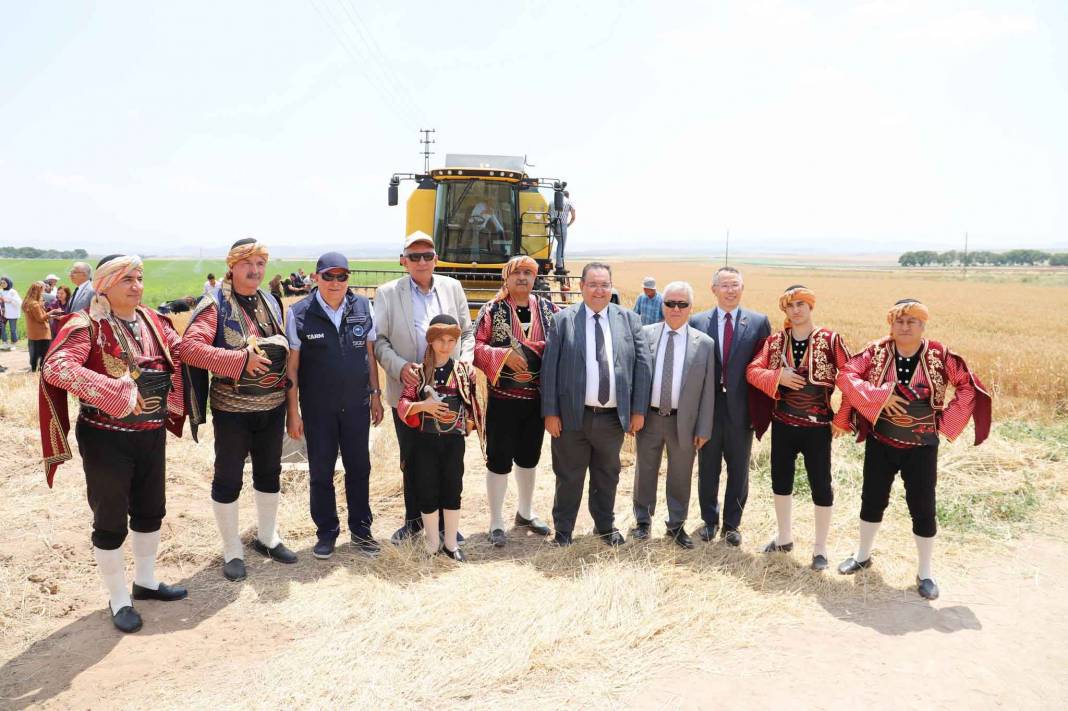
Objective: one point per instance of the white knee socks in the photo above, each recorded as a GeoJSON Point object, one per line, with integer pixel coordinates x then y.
{"type": "Point", "coordinates": [267, 518]}
{"type": "Point", "coordinates": [430, 532]}
{"type": "Point", "coordinates": [822, 514]}
{"type": "Point", "coordinates": [867, 540]}
{"type": "Point", "coordinates": [782, 518]}
{"type": "Point", "coordinates": [229, 530]}
{"type": "Point", "coordinates": [145, 546]}
{"type": "Point", "coordinates": [113, 573]}
{"type": "Point", "coordinates": [496, 488]}
{"type": "Point", "coordinates": [524, 484]}
{"type": "Point", "coordinates": [452, 525]}
{"type": "Point", "coordinates": [924, 550]}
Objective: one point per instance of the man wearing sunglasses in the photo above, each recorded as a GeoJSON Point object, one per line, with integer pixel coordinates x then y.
{"type": "Point", "coordinates": [403, 309]}
{"type": "Point", "coordinates": [681, 408]}
{"type": "Point", "coordinates": [334, 399]}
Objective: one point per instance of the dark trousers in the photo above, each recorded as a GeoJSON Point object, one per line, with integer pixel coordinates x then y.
{"type": "Point", "coordinates": [919, 472]}
{"type": "Point", "coordinates": [812, 443]}
{"type": "Point", "coordinates": [325, 434]}
{"type": "Point", "coordinates": [238, 435]}
{"type": "Point", "coordinates": [515, 431]}
{"type": "Point", "coordinates": [124, 479]}
{"type": "Point", "coordinates": [733, 441]}
{"type": "Point", "coordinates": [38, 348]}
{"type": "Point", "coordinates": [405, 439]}
{"type": "Point", "coordinates": [437, 470]}
{"type": "Point", "coordinates": [595, 448]}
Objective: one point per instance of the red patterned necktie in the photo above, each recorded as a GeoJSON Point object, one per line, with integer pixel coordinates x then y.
{"type": "Point", "coordinates": [728, 336]}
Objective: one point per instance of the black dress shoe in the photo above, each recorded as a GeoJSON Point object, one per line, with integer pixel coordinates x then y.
{"type": "Point", "coordinates": [365, 545]}
{"type": "Point", "coordinates": [640, 532]}
{"type": "Point", "coordinates": [165, 592]}
{"type": "Point", "coordinates": [851, 565]}
{"type": "Point", "coordinates": [279, 552]}
{"type": "Point", "coordinates": [535, 524]}
{"type": "Point", "coordinates": [681, 538]}
{"type": "Point", "coordinates": [324, 548]}
{"type": "Point", "coordinates": [403, 533]}
{"type": "Point", "coordinates": [774, 547]}
{"type": "Point", "coordinates": [457, 555]}
{"type": "Point", "coordinates": [819, 562]}
{"type": "Point", "coordinates": [612, 538]}
{"type": "Point", "coordinates": [126, 619]}
{"type": "Point", "coordinates": [707, 532]}
{"type": "Point", "coordinates": [927, 588]}
{"type": "Point", "coordinates": [732, 536]}
{"type": "Point", "coordinates": [562, 539]}
{"type": "Point", "coordinates": [498, 538]}
{"type": "Point", "coordinates": [234, 569]}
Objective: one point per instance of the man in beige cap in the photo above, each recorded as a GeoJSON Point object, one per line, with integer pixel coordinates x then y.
{"type": "Point", "coordinates": [404, 308]}
{"type": "Point", "coordinates": [650, 305]}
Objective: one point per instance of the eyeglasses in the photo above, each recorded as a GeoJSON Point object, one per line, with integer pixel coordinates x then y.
{"type": "Point", "coordinates": [421, 256]}
{"type": "Point", "coordinates": [327, 276]}
{"type": "Point", "coordinates": [677, 304]}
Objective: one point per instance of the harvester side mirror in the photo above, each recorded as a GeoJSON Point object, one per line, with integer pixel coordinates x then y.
{"type": "Point", "coordinates": [558, 200]}
{"type": "Point", "coordinates": [394, 185]}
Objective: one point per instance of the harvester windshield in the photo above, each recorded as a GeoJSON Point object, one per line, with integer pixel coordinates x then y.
{"type": "Point", "coordinates": [475, 221]}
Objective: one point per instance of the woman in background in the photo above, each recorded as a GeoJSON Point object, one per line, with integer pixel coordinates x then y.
{"type": "Point", "coordinates": [59, 308]}
{"type": "Point", "coordinates": [38, 333]}
{"type": "Point", "coordinates": [276, 289]}
{"type": "Point", "coordinates": [12, 304]}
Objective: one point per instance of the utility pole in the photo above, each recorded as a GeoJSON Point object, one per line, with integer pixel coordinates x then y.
{"type": "Point", "coordinates": [964, 261]}
{"type": "Point", "coordinates": [727, 249]}
{"type": "Point", "coordinates": [426, 140]}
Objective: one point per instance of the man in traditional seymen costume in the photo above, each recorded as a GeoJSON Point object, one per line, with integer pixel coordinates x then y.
{"type": "Point", "coordinates": [121, 361]}
{"type": "Point", "coordinates": [236, 333]}
{"type": "Point", "coordinates": [793, 377]}
{"type": "Point", "coordinates": [897, 386]}
{"type": "Point", "coordinates": [509, 342]}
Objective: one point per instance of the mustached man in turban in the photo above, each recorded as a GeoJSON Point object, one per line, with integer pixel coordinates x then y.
{"type": "Point", "coordinates": [509, 342]}
{"type": "Point", "coordinates": [793, 376]}
{"type": "Point", "coordinates": [236, 334]}
{"type": "Point", "coordinates": [898, 387]}
{"type": "Point", "coordinates": [121, 361]}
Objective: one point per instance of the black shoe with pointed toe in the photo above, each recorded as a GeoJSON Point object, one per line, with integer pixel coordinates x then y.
{"type": "Point", "coordinates": [732, 536]}
{"type": "Point", "coordinates": [165, 592]}
{"type": "Point", "coordinates": [562, 539]}
{"type": "Point", "coordinates": [851, 565]}
{"type": "Point", "coordinates": [927, 588]}
{"type": "Point", "coordinates": [681, 538]}
{"type": "Point", "coordinates": [707, 532]}
{"type": "Point", "coordinates": [279, 553]}
{"type": "Point", "coordinates": [819, 562]}
{"type": "Point", "coordinates": [611, 538]}
{"type": "Point", "coordinates": [640, 532]}
{"type": "Point", "coordinates": [404, 533]}
{"type": "Point", "coordinates": [774, 547]}
{"type": "Point", "coordinates": [457, 555]}
{"type": "Point", "coordinates": [126, 619]}
{"type": "Point", "coordinates": [498, 537]}
{"type": "Point", "coordinates": [536, 525]}
{"type": "Point", "coordinates": [234, 569]}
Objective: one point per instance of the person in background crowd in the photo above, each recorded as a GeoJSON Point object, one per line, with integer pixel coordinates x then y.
{"type": "Point", "coordinates": [275, 286]}
{"type": "Point", "coordinates": [563, 219]}
{"type": "Point", "coordinates": [80, 275]}
{"type": "Point", "coordinates": [211, 284]}
{"type": "Point", "coordinates": [59, 309]}
{"type": "Point", "coordinates": [178, 306]}
{"type": "Point", "coordinates": [49, 293]}
{"type": "Point", "coordinates": [12, 306]}
{"type": "Point", "coordinates": [649, 304]}
{"type": "Point", "coordinates": [38, 335]}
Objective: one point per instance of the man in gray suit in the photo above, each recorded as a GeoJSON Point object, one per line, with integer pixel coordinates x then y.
{"type": "Point", "coordinates": [595, 382]}
{"type": "Point", "coordinates": [681, 409]}
{"type": "Point", "coordinates": [403, 309]}
{"type": "Point", "coordinates": [80, 274]}
{"type": "Point", "coordinates": [738, 333]}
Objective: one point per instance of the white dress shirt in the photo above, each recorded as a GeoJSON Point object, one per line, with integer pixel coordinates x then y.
{"type": "Point", "coordinates": [424, 308]}
{"type": "Point", "coordinates": [721, 316]}
{"type": "Point", "coordinates": [679, 360]}
{"type": "Point", "coordinates": [592, 376]}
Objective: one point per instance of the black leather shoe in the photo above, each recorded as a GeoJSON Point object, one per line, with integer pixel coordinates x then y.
{"type": "Point", "coordinates": [365, 545]}
{"type": "Point", "coordinates": [535, 524]}
{"type": "Point", "coordinates": [403, 533]}
{"type": "Point", "coordinates": [279, 552]}
{"type": "Point", "coordinates": [707, 532]}
{"type": "Point", "coordinates": [732, 536]}
{"type": "Point", "coordinates": [324, 548]}
{"type": "Point", "coordinates": [126, 619]}
{"type": "Point", "coordinates": [234, 569]}
{"type": "Point", "coordinates": [457, 555]}
{"type": "Point", "coordinates": [165, 592]}
{"type": "Point", "coordinates": [681, 538]}
{"type": "Point", "coordinates": [927, 588]}
{"type": "Point", "coordinates": [640, 532]}
{"type": "Point", "coordinates": [498, 538]}
{"type": "Point", "coordinates": [819, 562]}
{"type": "Point", "coordinates": [774, 547]}
{"type": "Point", "coordinates": [562, 539]}
{"type": "Point", "coordinates": [851, 565]}
{"type": "Point", "coordinates": [612, 538]}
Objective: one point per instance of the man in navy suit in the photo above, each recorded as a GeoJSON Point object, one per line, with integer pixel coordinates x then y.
{"type": "Point", "coordinates": [738, 333]}
{"type": "Point", "coordinates": [596, 380]}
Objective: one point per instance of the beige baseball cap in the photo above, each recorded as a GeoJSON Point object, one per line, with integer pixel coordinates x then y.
{"type": "Point", "coordinates": [417, 237]}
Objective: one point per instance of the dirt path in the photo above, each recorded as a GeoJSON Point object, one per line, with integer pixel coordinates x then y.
{"type": "Point", "coordinates": [997, 638]}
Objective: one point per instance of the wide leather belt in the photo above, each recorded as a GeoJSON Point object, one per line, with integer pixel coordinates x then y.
{"type": "Point", "coordinates": [601, 410]}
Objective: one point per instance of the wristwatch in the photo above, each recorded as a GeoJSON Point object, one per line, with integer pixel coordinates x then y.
{"type": "Point", "coordinates": [375, 391]}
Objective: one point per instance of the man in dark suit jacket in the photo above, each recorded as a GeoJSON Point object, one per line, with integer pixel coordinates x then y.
{"type": "Point", "coordinates": [595, 383]}
{"type": "Point", "coordinates": [738, 333]}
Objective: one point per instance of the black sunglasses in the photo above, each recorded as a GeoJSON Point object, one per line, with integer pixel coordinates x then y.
{"type": "Point", "coordinates": [327, 276]}
{"type": "Point", "coordinates": [677, 304]}
{"type": "Point", "coordinates": [424, 256]}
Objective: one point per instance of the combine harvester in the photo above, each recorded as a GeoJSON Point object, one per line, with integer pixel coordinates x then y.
{"type": "Point", "coordinates": [481, 210]}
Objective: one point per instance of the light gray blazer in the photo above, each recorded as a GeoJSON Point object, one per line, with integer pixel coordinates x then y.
{"type": "Point", "coordinates": [82, 299]}
{"type": "Point", "coordinates": [563, 367]}
{"type": "Point", "coordinates": [396, 344]}
{"type": "Point", "coordinates": [697, 397]}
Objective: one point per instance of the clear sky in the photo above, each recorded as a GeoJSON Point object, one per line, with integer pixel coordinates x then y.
{"type": "Point", "coordinates": [869, 126]}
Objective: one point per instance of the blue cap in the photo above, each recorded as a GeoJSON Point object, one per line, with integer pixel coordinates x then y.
{"type": "Point", "coordinates": [332, 260]}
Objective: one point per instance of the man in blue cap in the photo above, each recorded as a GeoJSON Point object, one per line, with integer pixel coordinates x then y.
{"type": "Point", "coordinates": [334, 398]}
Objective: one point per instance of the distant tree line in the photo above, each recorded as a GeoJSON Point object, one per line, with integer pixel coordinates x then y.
{"type": "Point", "coordinates": [34, 253]}
{"type": "Point", "coordinates": [1011, 258]}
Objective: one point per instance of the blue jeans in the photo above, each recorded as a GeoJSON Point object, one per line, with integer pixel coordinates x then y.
{"type": "Point", "coordinates": [13, 325]}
